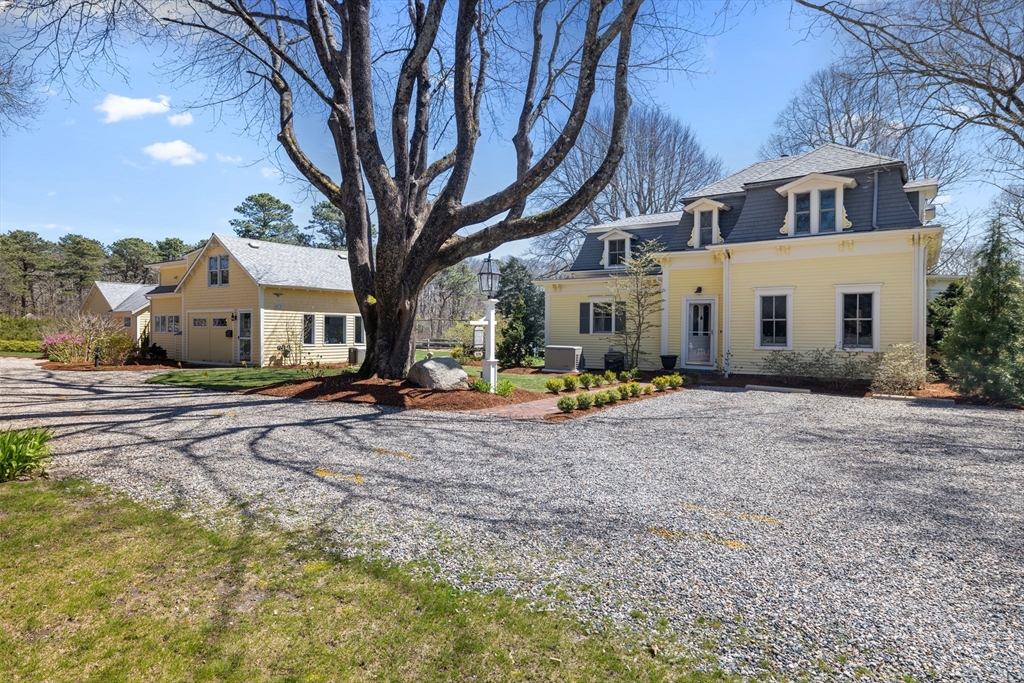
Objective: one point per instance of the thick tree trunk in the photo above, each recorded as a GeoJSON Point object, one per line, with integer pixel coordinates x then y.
{"type": "Point", "coordinates": [390, 330]}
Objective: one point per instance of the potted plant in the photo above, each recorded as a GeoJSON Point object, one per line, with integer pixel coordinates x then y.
{"type": "Point", "coordinates": [668, 362]}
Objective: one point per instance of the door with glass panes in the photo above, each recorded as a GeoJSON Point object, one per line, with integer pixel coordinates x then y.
{"type": "Point", "coordinates": [699, 334]}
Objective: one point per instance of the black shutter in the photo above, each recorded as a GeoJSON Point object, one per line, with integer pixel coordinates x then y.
{"type": "Point", "coordinates": [585, 317]}
{"type": "Point", "coordinates": [620, 316]}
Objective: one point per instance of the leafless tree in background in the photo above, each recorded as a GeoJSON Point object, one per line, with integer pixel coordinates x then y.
{"type": "Point", "coordinates": [404, 97]}
{"type": "Point", "coordinates": [20, 100]}
{"type": "Point", "coordinates": [1009, 206]}
{"type": "Point", "coordinates": [663, 162]}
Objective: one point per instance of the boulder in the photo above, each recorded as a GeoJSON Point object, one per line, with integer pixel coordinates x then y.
{"type": "Point", "coordinates": [439, 373]}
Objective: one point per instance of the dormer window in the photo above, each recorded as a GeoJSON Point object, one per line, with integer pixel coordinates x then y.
{"type": "Point", "coordinates": [816, 204]}
{"type": "Point", "coordinates": [705, 222]}
{"type": "Point", "coordinates": [616, 253]}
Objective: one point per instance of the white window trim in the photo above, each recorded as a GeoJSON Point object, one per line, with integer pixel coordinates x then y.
{"type": "Point", "coordinates": [355, 337]}
{"type": "Point", "coordinates": [604, 260]}
{"type": "Point", "coordinates": [601, 300]}
{"type": "Point", "coordinates": [874, 288]}
{"type": "Point", "coordinates": [698, 299]}
{"type": "Point", "coordinates": [813, 184]}
{"type": "Point", "coordinates": [773, 291]}
{"type": "Point", "coordinates": [705, 205]}
{"type": "Point", "coordinates": [303, 320]}
{"type": "Point", "coordinates": [220, 271]}
{"type": "Point", "coordinates": [344, 339]}
{"type": "Point", "coordinates": [239, 337]}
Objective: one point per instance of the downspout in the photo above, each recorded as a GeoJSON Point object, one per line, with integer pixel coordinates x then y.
{"type": "Point", "coordinates": [874, 204]}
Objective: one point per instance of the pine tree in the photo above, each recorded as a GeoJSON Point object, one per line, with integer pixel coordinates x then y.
{"type": "Point", "coordinates": [514, 348]}
{"type": "Point", "coordinates": [329, 222]}
{"type": "Point", "coordinates": [265, 217]}
{"type": "Point", "coordinates": [984, 346]}
{"type": "Point", "coordinates": [516, 284]}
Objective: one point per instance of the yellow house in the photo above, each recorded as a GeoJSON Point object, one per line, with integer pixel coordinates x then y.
{"type": "Point", "coordinates": [122, 302]}
{"type": "Point", "coordinates": [240, 300]}
{"type": "Point", "coordinates": [826, 250]}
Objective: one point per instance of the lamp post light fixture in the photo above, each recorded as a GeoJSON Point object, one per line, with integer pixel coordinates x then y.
{"type": "Point", "coordinates": [489, 276]}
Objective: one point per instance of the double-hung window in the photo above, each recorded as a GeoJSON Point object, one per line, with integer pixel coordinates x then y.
{"type": "Point", "coordinates": [857, 317]}
{"type": "Point", "coordinates": [218, 271]}
{"type": "Point", "coordinates": [606, 317]}
{"type": "Point", "coordinates": [308, 329]}
{"type": "Point", "coordinates": [159, 324]}
{"type": "Point", "coordinates": [616, 252]}
{"type": "Point", "coordinates": [706, 227]}
{"type": "Point", "coordinates": [334, 329]}
{"type": "Point", "coordinates": [827, 211]}
{"type": "Point", "coordinates": [802, 214]}
{"type": "Point", "coordinates": [774, 311]}
{"type": "Point", "coordinates": [360, 331]}
{"type": "Point", "coordinates": [127, 321]}
{"type": "Point", "coordinates": [173, 324]}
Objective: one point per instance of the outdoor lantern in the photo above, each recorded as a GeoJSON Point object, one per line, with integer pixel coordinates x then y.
{"type": "Point", "coordinates": [489, 277]}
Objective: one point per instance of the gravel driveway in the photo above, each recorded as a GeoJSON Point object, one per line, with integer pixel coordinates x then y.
{"type": "Point", "coordinates": [769, 533]}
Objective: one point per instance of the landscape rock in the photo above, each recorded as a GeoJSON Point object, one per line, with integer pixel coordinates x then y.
{"type": "Point", "coordinates": [439, 373]}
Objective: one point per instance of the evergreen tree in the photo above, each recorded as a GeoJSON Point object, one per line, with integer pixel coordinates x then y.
{"type": "Point", "coordinates": [514, 348]}
{"type": "Point", "coordinates": [516, 285]}
{"type": "Point", "coordinates": [24, 259]}
{"type": "Point", "coordinates": [940, 317]}
{"type": "Point", "coordinates": [128, 259]}
{"type": "Point", "coordinates": [173, 248]}
{"type": "Point", "coordinates": [80, 263]}
{"type": "Point", "coordinates": [265, 217]}
{"type": "Point", "coordinates": [984, 346]}
{"type": "Point", "coordinates": [329, 222]}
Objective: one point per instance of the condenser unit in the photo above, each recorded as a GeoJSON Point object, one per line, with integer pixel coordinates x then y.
{"type": "Point", "coordinates": [562, 358]}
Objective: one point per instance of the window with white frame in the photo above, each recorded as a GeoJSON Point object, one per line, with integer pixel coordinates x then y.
{"type": "Point", "coordinates": [774, 318]}
{"type": "Point", "coordinates": [308, 329]}
{"type": "Point", "coordinates": [334, 329]}
{"type": "Point", "coordinates": [218, 322]}
{"type": "Point", "coordinates": [603, 317]}
{"type": "Point", "coordinates": [218, 271]}
{"type": "Point", "coordinates": [159, 324]}
{"type": "Point", "coordinates": [857, 317]}
{"type": "Point", "coordinates": [173, 324]}
{"type": "Point", "coordinates": [826, 211]}
{"type": "Point", "coordinates": [816, 204]}
{"type": "Point", "coordinates": [127, 321]}
{"type": "Point", "coordinates": [802, 214]}
{"type": "Point", "coordinates": [707, 225]}
{"type": "Point", "coordinates": [616, 252]}
{"type": "Point", "coordinates": [360, 331]}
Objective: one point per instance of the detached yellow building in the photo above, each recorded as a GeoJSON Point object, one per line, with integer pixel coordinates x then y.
{"type": "Point", "coordinates": [124, 303]}
{"type": "Point", "coordinates": [239, 300]}
{"type": "Point", "coordinates": [826, 250]}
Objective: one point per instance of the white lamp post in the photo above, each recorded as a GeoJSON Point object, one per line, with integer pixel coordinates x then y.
{"type": "Point", "coordinates": [489, 276]}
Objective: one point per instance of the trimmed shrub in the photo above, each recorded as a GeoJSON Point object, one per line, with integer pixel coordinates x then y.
{"type": "Point", "coordinates": [599, 380]}
{"type": "Point", "coordinates": [23, 451]}
{"type": "Point", "coordinates": [554, 385]}
{"type": "Point", "coordinates": [584, 401]}
{"type": "Point", "coordinates": [901, 371]}
{"type": "Point", "coordinates": [157, 352]}
{"type": "Point", "coordinates": [570, 381]}
{"type": "Point", "coordinates": [459, 354]}
{"type": "Point", "coordinates": [504, 388]}
{"type": "Point", "coordinates": [609, 376]}
{"type": "Point", "coordinates": [16, 346]}
{"type": "Point", "coordinates": [648, 390]}
{"type": "Point", "coordinates": [567, 404]}
{"type": "Point", "coordinates": [116, 348]}
{"type": "Point", "coordinates": [623, 390]}
{"type": "Point", "coordinates": [600, 399]}
{"type": "Point", "coordinates": [675, 381]}
{"type": "Point", "coordinates": [611, 395]}
{"type": "Point", "coordinates": [634, 389]}
{"type": "Point", "coordinates": [481, 385]}
{"type": "Point", "coordinates": [835, 369]}
{"type": "Point", "coordinates": [660, 382]}
{"type": "Point", "coordinates": [14, 328]}
{"type": "Point", "coordinates": [586, 380]}
{"type": "Point", "coordinates": [65, 348]}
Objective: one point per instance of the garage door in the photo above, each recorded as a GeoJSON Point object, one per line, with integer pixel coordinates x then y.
{"type": "Point", "coordinates": [210, 339]}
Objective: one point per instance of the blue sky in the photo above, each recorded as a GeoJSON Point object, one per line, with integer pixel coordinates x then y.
{"type": "Point", "coordinates": [109, 168]}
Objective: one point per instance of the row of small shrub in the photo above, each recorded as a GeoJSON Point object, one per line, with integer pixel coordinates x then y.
{"type": "Point", "coordinates": [503, 388]}
{"type": "Point", "coordinates": [18, 346]}
{"type": "Point", "coordinates": [569, 403]}
{"type": "Point", "coordinates": [588, 380]}
{"type": "Point", "coordinates": [23, 451]}
{"type": "Point", "coordinates": [664, 382]}
{"type": "Point", "coordinates": [900, 370]}
{"type": "Point", "coordinates": [23, 329]}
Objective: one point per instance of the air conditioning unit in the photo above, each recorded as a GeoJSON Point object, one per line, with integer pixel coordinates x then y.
{"type": "Point", "coordinates": [562, 358]}
{"type": "Point", "coordinates": [356, 355]}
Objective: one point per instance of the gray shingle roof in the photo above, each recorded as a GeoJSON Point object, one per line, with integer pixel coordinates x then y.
{"type": "Point", "coordinates": [287, 265]}
{"type": "Point", "coordinates": [828, 158]}
{"type": "Point", "coordinates": [124, 296]}
{"type": "Point", "coordinates": [670, 217]}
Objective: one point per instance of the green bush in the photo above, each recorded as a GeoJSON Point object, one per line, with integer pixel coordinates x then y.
{"type": "Point", "coordinates": [116, 348]}
{"type": "Point", "coordinates": [18, 346]}
{"type": "Point", "coordinates": [675, 380]}
{"type": "Point", "coordinates": [648, 390]}
{"type": "Point", "coordinates": [504, 388]}
{"type": "Point", "coordinates": [610, 395]}
{"type": "Point", "coordinates": [584, 401]}
{"type": "Point", "coordinates": [23, 451]}
{"type": "Point", "coordinates": [599, 380]}
{"type": "Point", "coordinates": [623, 390]}
{"type": "Point", "coordinates": [554, 385]}
{"type": "Point", "coordinates": [567, 404]}
{"type": "Point", "coordinates": [625, 376]}
{"type": "Point", "coordinates": [609, 376]}
{"type": "Point", "coordinates": [835, 369]}
{"type": "Point", "coordinates": [459, 354]}
{"type": "Point", "coordinates": [691, 377]}
{"type": "Point", "coordinates": [901, 371]}
{"type": "Point", "coordinates": [660, 382]}
{"type": "Point", "coordinates": [570, 381]}
{"type": "Point", "coordinates": [481, 385]}
{"type": "Point", "coordinates": [600, 399]}
{"type": "Point", "coordinates": [634, 389]}
{"type": "Point", "coordinates": [23, 329]}
{"type": "Point", "coordinates": [586, 380]}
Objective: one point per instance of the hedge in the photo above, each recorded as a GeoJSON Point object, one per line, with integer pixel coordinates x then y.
{"type": "Point", "coordinates": [13, 346]}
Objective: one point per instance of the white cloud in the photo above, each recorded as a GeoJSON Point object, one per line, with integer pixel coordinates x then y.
{"type": "Point", "coordinates": [118, 108]}
{"type": "Point", "coordinates": [270, 173]}
{"type": "Point", "coordinates": [228, 159]}
{"type": "Point", "coordinates": [179, 152]}
{"type": "Point", "coordinates": [51, 193]}
{"type": "Point", "coordinates": [181, 119]}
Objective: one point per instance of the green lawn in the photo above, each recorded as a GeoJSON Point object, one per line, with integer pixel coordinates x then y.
{"type": "Point", "coordinates": [531, 382]}
{"type": "Point", "coordinates": [97, 588]}
{"type": "Point", "coordinates": [422, 353]}
{"type": "Point", "coordinates": [233, 379]}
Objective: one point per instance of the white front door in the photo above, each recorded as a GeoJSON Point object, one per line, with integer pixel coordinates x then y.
{"type": "Point", "coordinates": [699, 334]}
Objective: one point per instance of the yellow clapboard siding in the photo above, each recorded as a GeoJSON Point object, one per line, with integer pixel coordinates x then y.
{"type": "Point", "coordinates": [171, 275]}
{"type": "Point", "coordinates": [284, 308]}
{"type": "Point", "coordinates": [172, 343]}
{"type": "Point", "coordinates": [683, 283]}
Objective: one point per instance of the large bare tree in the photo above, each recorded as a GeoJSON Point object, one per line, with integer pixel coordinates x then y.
{"type": "Point", "coordinates": [662, 162]}
{"type": "Point", "coordinates": [405, 98]}
{"type": "Point", "coordinates": [20, 99]}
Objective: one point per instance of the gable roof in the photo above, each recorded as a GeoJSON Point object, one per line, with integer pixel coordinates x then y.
{"type": "Point", "coordinates": [828, 158]}
{"type": "Point", "coordinates": [124, 296]}
{"type": "Point", "coordinates": [286, 265]}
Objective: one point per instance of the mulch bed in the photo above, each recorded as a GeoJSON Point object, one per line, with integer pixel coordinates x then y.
{"type": "Point", "coordinates": [399, 393]}
{"type": "Point", "coordinates": [563, 417]}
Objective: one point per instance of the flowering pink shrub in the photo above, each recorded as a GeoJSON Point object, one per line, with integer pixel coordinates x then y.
{"type": "Point", "coordinates": [65, 348]}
